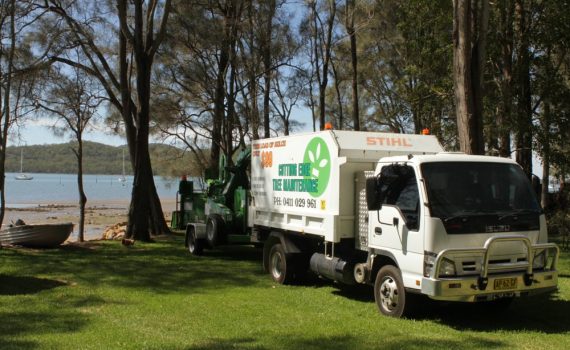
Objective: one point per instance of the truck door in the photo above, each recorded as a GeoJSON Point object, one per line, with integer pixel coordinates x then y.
{"type": "Point", "coordinates": [397, 224]}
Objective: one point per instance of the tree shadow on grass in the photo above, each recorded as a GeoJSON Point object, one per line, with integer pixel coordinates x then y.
{"type": "Point", "coordinates": [356, 292]}
{"type": "Point", "coordinates": [237, 253]}
{"type": "Point", "coordinates": [161, 267]}
{"type": "Point", "coordinates": [342, 342]}
{"type": "Point", "coordinates": [18, 285]}
{"type": "Point", "coordinates": [15, 326]}
{"type": "Point", "coordinates": [543, 313]}
{"type": "Point", "coordinates": [359, 292]}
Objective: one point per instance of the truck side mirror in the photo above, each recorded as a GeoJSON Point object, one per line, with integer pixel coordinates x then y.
{"type": "Point", "coordinates": [373, 194]}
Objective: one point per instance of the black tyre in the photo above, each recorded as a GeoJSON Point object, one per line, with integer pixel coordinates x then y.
{"type": "Point", "coordinates": [195, 246]}
{"type": "Point", "coordinates": [390, 294]}
{"type": "Point", "coordinates": [281, 271]}
{"type": "Point", "coordinates": [214, 230]}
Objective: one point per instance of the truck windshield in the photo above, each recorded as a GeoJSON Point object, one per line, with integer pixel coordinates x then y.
{"type": "Point", "coordinates": [480, 197]}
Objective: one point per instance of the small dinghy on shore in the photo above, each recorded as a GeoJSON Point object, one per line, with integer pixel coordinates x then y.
{"type": "Point", "coordinates": [37, 236]}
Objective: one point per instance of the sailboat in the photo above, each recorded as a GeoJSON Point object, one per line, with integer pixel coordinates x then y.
{"type": "Point", "coordinates": [122, 178]}
{"type": "Point", "coordinates": [22, 175]}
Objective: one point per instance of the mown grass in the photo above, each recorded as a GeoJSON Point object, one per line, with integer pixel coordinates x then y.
{"type": "Point", "coordinates": [157, 296]}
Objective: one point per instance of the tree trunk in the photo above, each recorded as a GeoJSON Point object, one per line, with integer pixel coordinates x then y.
{"type": "Point", "coordinates": [546, 154]}
{"type": "Point", "coordinates": [340, 125]}
{"type": "Point", "coordinates": [5, 111]}
{"type": "Point", "coordinates": [219, 103]}
{"type": "Point", "coordinates": [469, 26]}
{"type": "Point", "coordinates": [504, 116]}
{"type": "Point", "coordinates": [252, 79]}
{"type": "Point", "coordinates": [267, 35]}
{"type": "Point", "coordinates": [231, 120]}
{"type": "Point", "coordinates": [145, 211]}
{"type": "Point", "coordinates": [266, 87]}
{"type": "Point", "coordinates": [326, 60]}
{"type": "Point", "coordinates": [545, 200]}
{"type": "Point", "coordinates": [524, 104]}
{"type": "Point", "coordinates": [82, 196]}
{"type": "Point", "coordinates": [351, 9]}
{"type": "Point", "coordinates": [127, 105]}
{"type": "Point", "coordinates": [322, 76]}
{"type": "Point", "coordinates": [254, 108]}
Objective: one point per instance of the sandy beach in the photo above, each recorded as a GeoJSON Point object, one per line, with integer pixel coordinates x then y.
{"type": "Point", "coordinates": [99, 215]}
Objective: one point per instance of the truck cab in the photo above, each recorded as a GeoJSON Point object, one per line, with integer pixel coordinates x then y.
{"type": "Point", "coordinates": [457, 228]}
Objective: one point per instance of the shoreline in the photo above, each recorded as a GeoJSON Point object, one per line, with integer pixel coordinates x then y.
{"type": "Point", "coordinates": [99, 214]}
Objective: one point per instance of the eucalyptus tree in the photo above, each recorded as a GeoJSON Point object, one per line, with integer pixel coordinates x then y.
{"type": "Point", "coordinates": [73, 98]}
{"type": "Point", "coordinates": [350, 14]}
{"type": "Point", "coordinates": [404, 66]}
{"type": "Point", "coordinates": [8, 44]}
{"type": "Point", "coordinates": [268, 10]}
{"type": "Point", "coordinates": [499, 95]}
{"type": "Point", "coordinates": [145, 41]}
{"type": "Point", "coordinates": [550, 85]}
{"type": "Point", "coordinates": [287, 90]}
{"type": "Point", "coordinates": [523, 18]}
{"type": "Point", "coordinates": [121, 58]}
{"type": "Point", "coordinates": [198, 77]}
{"type": "Point", "coordinates": [20, 60]}
{"type": "Point", "coordinates": [217, 71]}
{"type": "Point", "coordinates": [470, 24]}
{"type": "Point", "coordinates": [320, 32]}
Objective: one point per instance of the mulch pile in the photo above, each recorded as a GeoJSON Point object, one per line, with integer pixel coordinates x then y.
{"type": "Point", "coordinates": [115, 232]}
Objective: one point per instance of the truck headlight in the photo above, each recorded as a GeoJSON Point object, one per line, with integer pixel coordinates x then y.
{"type": "Point", "coordinates": [447, 268]}
{"type": "Point", "coordinates": [429, 261]}
{"type": "Point", "coordinates": [539, 260]}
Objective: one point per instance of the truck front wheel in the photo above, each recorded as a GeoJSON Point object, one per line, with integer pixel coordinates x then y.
{"type": "Point", "coordinates": [389, 292]}
{"type": "Point", "coordinates": [279, 269]}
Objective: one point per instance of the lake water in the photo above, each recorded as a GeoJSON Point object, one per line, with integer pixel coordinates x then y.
{"type": "Point", "coordinates": [57, 188]}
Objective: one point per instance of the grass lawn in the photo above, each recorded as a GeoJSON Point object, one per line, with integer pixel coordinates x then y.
{"type": "Point", "coordinates": [157, 296]}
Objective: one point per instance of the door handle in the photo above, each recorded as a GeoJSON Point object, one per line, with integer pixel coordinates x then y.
{"type": "Point", "coordinates": [395, 222]}
{"type": "Point", "coordinates": [378, 230]}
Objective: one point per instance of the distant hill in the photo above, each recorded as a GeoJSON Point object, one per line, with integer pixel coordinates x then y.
{"type": "Point", "coordinates": [98, 158]}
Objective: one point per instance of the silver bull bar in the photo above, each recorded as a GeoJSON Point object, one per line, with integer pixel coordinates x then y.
{"type": "Point", "coordinates": [545, 279]}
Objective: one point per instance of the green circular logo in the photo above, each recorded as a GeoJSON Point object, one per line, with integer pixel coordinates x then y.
{"type": "Point", "coordinates": [318, 156]}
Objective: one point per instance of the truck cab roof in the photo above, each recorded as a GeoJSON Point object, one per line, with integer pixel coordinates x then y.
{"type": "Point", "coordinates": [445, 157]}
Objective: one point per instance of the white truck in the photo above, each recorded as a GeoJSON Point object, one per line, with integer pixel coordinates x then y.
{"type": "Point", "coordinates": [396, 212]}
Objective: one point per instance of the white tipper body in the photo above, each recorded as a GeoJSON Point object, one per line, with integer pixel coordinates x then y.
{"type": "Point", "coordinates": [306, 182]}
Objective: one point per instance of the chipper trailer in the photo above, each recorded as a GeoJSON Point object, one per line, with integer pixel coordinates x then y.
{"type": "Point", "coordinates": [390, 210]}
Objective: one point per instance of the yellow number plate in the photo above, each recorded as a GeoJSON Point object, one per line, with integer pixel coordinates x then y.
{"type": "Point", "coordinates": [505, 283]}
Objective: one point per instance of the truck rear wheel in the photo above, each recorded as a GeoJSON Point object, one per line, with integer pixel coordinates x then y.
{"type": "Point", "coordinates": [389, 292]}
{"type": "Point", "coordinates": [214, 227]}
{"type": "Point", "coordinates": [195, 246]}
{"type": "Point", "coordinates": [281, 272]}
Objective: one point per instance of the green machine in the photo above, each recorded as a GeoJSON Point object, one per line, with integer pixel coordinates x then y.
{"type": "Point", "coordinates": [217, 216]}
{"type": "Point", "coordinates": [189, 205]}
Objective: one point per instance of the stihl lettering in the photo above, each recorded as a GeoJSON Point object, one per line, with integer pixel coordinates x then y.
{"type": "Point", "coordinates": [389, 141]}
